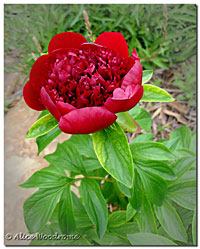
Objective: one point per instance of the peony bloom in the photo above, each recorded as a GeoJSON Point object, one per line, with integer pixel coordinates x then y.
{"type": "Point", "coordinates": [84, 84]}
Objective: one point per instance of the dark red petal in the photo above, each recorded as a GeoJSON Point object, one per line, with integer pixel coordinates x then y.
{"type": "Point", "coordinates": [32, 98]}
{"type": "Point", "coordinates": [64, 108]}
{"type": "Point", "coordinates": [49, 104]}
{"type": "Point", "coordinates": [114, 41]}
{"type": "Point", "coordinates": [86, 120]}
{"type": "Point", "coordinates": [115, 105]}
{"type": "Point", "coordinates": [134, 75]}
{"type": "Point", "coordinates": [39, 72]}
{"type": "Point", "coordinates": [66, 40]}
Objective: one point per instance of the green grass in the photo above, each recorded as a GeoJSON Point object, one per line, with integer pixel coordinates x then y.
{"type": "Point", "coordinates": [160, 39]}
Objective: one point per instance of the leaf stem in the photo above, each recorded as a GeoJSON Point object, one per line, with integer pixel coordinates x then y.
{"type": "Point", "coordinates": [91, 177]}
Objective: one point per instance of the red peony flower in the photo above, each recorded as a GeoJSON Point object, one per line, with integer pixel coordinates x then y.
{"type": "Point", "coordinates": [84, 84]}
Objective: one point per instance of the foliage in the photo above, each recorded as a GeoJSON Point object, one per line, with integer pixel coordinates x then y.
{"type": "Point", "coordinates": [151, 184]}
{"type": "Point", "coordinates": [186, 81]}
{"type": "Point", "coordinates": [162, 34]}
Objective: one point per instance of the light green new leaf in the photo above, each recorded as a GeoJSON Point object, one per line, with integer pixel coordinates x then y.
{"type": "Point", "coordinates": [39, 207]}
{"type": "Point", "coordinates": [66, 218]}
{"type": "Point", "coordinates": [155, 94]}
{"type": "Point", "coordinates": [95, 205]}
{"type": "Point", "coordinates": [42, 126]}
{"type": "Point", "coordinates": [127, 123]}
{"type": "Point", "coordinates": [149, 239]}
{"type": "Point", "coordinates": [151, 151]}
{"type": "Point", "coordinates": [171, 222]}
{"type": "Point", "coordinates": [49, 177]}
{"type": "Point", "coordinates": [146, 76]}
{"type": "Point", "coordinates": [113, 152]}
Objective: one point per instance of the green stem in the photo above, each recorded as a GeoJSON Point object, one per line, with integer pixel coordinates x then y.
{"type": "Point", "coordinates": [90, 177]}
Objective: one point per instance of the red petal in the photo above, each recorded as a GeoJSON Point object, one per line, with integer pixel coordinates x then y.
{"type": "Point", "coordinates": [114, 41]}
{"type": "Point", "coordinates": [49, 104]}
{"type": "Point", "coordinates": [32, 98]}
{"type": "Point", "coordinates": [134, 75]}
{"type": "Point", "coordinates": [66, 40]}
{"type": "Point", "coordinates": [39, 72]}
{"type": "Point", "coordinates": [86, 120]}
{"type": "Point", "coordinates": [64, 108]}
{"type": "Point", "coordinates": [134, 92]}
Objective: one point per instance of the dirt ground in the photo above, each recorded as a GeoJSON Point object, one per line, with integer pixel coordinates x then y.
{"type": "Point", "coordinates": [21, 161]}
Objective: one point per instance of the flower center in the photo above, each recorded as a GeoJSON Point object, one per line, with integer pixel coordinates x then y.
{"type": "Point", "coordinates": [85, 77]}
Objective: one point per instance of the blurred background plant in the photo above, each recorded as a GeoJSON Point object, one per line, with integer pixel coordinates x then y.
{"type": "Point", "coordinates": [163, 35]}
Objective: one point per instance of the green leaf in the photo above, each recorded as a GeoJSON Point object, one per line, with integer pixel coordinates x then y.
{"type": "Point", "coordinates": [194, 227]}
{"type": "Point", "coordinates": [46, 139]}
{"type": "Point", "coordinates": [126, 191]}
{"type": "Point", "coordinates": [130, 212]}
{"type": "Point", "coordinates": [83, 144]}
{"type": "Point", "coordinates": [171, 143]}
{"type": "Point", "coordinates": [109, 239]}
{"type": "Point", "coordinates": [182, 166]}
{"type": "Point", "coordinates": [147, 75]}
{"type": "Point", "coordinates": [155, 94]}
{"type": "Point", "coordinates": [149, 239]}
{"type": "Point", "coordinates": [159, 168]}
{"type": "Point", "coordinates": [151, 151]}
{"type": "Point", "coordinates": [185, 198]}
{"type": "Point", "coordinates": [49, 177]}
{"type": "Point", "coordinates": [81, 217]}
{"type": "Point", "coordinates": [112, 149]}
{"type": "Point", "coordinates": [193, 143]}
{"type": "Point", "coordinates": [65, 213]}
{"type": "Point", "coordinates": [171, 222]}
{"type": "Point", "coordinates": [142, 117]}
{"type": "Point", "coordinates": [42, 126]}
{"type": "Point", "coordinates": [184, 134]}
{"type": "Point", "coordinates": [67, 157]}
{"type": "Point", "coordinates": [183, 192]}
{"type": "Point", "coordinates": [137, 197]}
{"type": "Point", "coordinates": [94, 204]}
{"type": "Point", "coordinates": [39, 207]}
{"type": "Point", "coordinates": [145, 137]}
{"type": "Point", "coordinates": [145, 218]}
{"type": "Point", "coordinates": [154, 186]}
{"type": "Point", "coordinates": [117, 218]}
{"type": "Point", "coordinates": [127, 123]}
{"type": "Point", "coordinates": [123, 230]}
